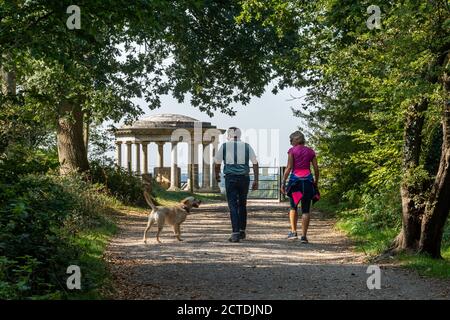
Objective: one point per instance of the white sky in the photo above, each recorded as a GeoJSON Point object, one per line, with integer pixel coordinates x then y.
{"type": "Point", "coordinates": [265, 122]}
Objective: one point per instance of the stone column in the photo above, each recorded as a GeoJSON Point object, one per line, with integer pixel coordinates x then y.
{"type": "Point", "coordinates": [145, 154]}
{"type": "Point", "coordinates": [190, 185]}
{"type": "Point", "coordinates": [206, 180]}
{"type": "Point", "coordinates": [128, 143]}
{"type": "Point", "coordinates": [138, 158]}
{"type": "Point", "coordinates": [160, 163]}
{"type": "Point", "coordinates": [194, 153]}
{"type": "Point", "coordinates": [193, 166]}
{"type": "Point", "coordinates": [119, 153]}
{"type": "Point", "coordinates": [173, 167]}
{"type": "Point", "coordinates": [214, 184]}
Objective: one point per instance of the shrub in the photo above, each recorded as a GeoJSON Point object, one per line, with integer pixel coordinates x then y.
{"type": "Point", "coordinates": [382, 208]}
{"type": "Point", "coordinates": [119, 183]}
{"type": "Point", "coordinates": [39, 215]}
{"type": "Point", "coordinates": [20, 160]}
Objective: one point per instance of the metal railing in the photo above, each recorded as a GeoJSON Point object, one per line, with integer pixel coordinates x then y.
{"type": "Point", "coordinates": [269, 184]}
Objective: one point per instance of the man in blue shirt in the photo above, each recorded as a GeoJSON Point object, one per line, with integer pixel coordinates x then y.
{"type": "Point", "coordinates": [236, 154]}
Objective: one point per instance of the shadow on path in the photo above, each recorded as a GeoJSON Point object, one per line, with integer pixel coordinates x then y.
{"type": "Point", "coordinates": [266, 266]}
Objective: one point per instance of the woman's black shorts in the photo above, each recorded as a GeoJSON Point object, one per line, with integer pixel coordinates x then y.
{"type": "Point", "coordinates": [306, 187]}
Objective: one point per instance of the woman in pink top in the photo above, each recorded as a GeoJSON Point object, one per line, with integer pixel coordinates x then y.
{"type": "Point", "coordinates": [301, 186]}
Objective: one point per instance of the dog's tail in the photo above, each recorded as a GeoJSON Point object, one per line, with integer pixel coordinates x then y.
{"type": "Point", "coordinates": [149, 200]}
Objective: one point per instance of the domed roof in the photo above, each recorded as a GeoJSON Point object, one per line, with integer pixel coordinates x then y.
{"type": "Point", "coordinates": [167, 117]}
{"type": "Point", "coordinates": [165, 121]}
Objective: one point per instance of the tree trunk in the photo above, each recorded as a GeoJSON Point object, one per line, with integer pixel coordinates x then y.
{"type": "Point", "coordinates": [438, 205]}
{"type": "Point", "coordinates": [8, 89]}
{"type": "Point", "coordinates": [7, 75]}
{"type": "Point", "coordinates": [8, 82]}
{"type": "Point", "coordinates": [71, 149]}
{"type": "Point", "coordinates": [87, 123]}
{"type": "Point", "coordinates": [412, 208]}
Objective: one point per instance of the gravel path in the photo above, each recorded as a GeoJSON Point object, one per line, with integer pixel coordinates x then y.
{"type": "Point", "coordinates": [266, 266]}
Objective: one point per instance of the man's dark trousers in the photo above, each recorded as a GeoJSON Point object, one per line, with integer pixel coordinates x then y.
{"type": "Point", "coordinates": [236, 187]}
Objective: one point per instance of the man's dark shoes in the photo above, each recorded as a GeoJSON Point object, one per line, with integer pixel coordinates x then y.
{"type": "Point", "coordinates": [242, 235]}
{"type": "Point", "coordinates": [234, 237]}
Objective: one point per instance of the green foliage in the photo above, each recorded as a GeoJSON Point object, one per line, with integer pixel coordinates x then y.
{"type": "Point", "coordinates": [48, 222]}
{"type": "Point", "coordinates": [368, 239]}
{"type": "Point", "coordinates": [427, 266]}
{"type": "Point", "coordinates": [100, 145]}
{"type": "Point", "coordinates": [360, 84]}
{"type": "Point", "coordinates": [40, 216]}
{"type": "Point", "coordinates": [375, 220]}
{"type": "Point", "coordinates": [133, 50]}
{"type": "Point", "coordinates": [21, 160]}
{"type": "Point", "coordinates": [22, 124]}
{"type": "Point", "coordinates": [381, 209]}
{"type": "Point", "coordinates": [433, 150]}
{"type": "Point", "coordinates": [128, 188]}
{"type": "Point", "coordinates": [118, 182]}
{"type": "Point", "coordinates": [96, 282]}
{"type": "Point", "coordinates": [418, 180]}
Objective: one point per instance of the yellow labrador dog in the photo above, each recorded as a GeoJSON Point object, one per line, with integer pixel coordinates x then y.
{"type": "Point", "coordinates": [174, 216]}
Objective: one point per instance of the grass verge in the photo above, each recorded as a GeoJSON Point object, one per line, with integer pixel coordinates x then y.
{"type": "Point", "coordinates": [427, 266]}
{"type": "Point", "coordinates": [95, 280]}
{"type": "Point", "coordinates": [373, 241]}
{"type": "Point", "coordinates": [168, 198]}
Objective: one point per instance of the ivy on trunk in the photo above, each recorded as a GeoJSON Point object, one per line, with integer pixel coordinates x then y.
{"type": "Point", "coordinates": [71, 148]}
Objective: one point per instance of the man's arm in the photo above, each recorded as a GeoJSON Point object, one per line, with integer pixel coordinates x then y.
{"type": "Point", "coordinates": [217, 170]}
{"type": "Point", "coordinates": [254, 161]}
{"type": "Point", "coordinates": [255, 176]}
{"type": "Point", "coordinates": [218, 158]}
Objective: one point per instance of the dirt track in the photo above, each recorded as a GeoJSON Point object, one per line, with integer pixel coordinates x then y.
{"type": "Point", "coordinates": [266, 266]}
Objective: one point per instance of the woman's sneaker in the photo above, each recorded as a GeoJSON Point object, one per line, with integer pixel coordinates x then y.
{"type": "Point", "coordinates": [292, 235]}
{"type": "Point", "coordinates": [303, 239]}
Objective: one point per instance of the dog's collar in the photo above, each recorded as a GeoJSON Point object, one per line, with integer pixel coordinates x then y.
{"type": "Point", "coordinates": [186, 208]}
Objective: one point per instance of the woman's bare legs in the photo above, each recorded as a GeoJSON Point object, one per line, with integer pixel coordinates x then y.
{"type": "Point", "coordinates": [293, 218]}
{"type": "Point", "coordinates": [305, 223]}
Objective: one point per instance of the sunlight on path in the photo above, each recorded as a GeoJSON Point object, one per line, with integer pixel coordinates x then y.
{"type": "Point", "coordinates": [265, 266]}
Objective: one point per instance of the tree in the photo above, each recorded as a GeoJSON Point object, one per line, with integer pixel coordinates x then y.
{"type": "Point", "coordinates": [391, 82]}
{"type": "Point", "coordinates": [438, 204]}
{"type": "Point", "coordinates": [125, 50]}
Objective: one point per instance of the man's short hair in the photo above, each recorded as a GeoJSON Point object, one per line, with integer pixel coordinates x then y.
{"type": "Point", "coordinates": [234, 133]}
